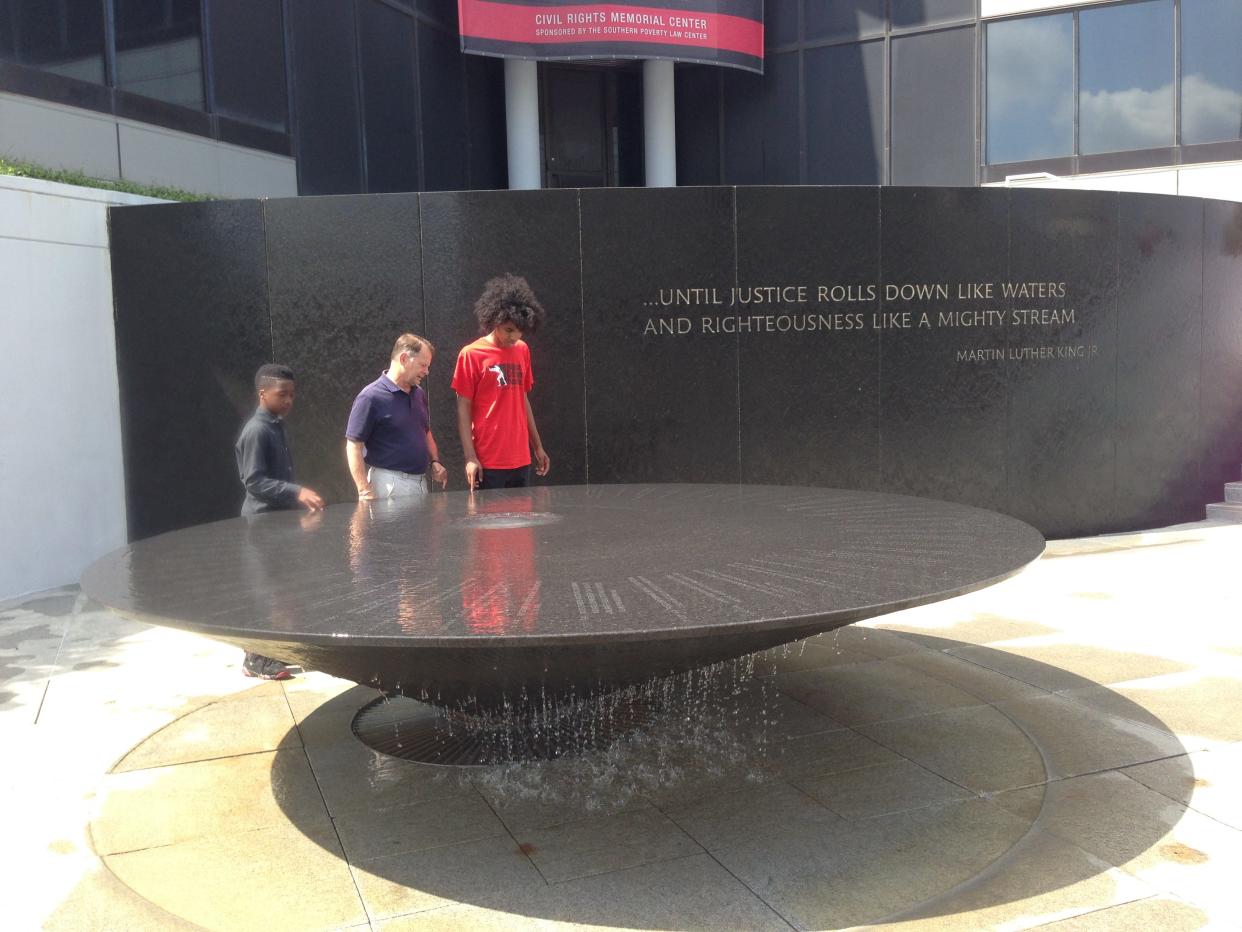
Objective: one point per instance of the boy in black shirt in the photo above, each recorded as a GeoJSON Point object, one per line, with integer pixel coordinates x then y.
{"type": "Point", "coordinates": [266, 470]}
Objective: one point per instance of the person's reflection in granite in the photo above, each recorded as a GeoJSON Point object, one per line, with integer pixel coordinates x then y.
{"type": "Point", "coordinates": [500, 581]}
{"type": "Point", "coordinates": [381, 573]}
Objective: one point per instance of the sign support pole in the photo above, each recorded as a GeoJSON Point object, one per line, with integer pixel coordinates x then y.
{"type": "Point", "coordinates": [659, 124]}
{"type": "Point", "coordinates": [522, 123]}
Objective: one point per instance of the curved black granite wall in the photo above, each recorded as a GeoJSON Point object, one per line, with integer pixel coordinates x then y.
{"type": "Point", "coordinates": [1071, 358]}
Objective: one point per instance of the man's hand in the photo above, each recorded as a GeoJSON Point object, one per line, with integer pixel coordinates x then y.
{"type": "Point", "coordinates": [439, 474]}
{"type": "Point", "coordinates": [366, 494]}
{"type": "Point", "coordinates": [542, 462]}
{"type": "Point", "coordinates": [474, 473]}
{"type": "Point", "coordinates": [309, 498]}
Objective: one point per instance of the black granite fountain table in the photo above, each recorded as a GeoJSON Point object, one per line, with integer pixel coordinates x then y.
{"type": "Point", "coordinates": [464, 599]}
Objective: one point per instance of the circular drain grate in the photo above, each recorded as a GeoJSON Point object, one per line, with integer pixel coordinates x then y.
{"type": "Point", "coordinates": [416, 731]}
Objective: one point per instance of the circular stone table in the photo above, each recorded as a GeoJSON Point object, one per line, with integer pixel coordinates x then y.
{"type": "Point", "coordinates": [469, 601]}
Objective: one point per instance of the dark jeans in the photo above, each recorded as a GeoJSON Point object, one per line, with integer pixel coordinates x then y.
{"type": "Point", "coordinates": [506, 478]}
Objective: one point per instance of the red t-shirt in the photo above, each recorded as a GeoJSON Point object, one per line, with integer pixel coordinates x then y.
{"type": "Point", "coordinates": [496, 382]}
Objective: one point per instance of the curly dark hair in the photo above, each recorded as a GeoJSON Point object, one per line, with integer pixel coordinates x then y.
{"type": "Point", "coordinates": [508, 299]}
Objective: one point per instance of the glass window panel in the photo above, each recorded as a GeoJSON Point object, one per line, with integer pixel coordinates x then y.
{"type": "Point", "coordinates": [1125, 93]}
{"type": "Point", "coordinates": [1030, 88]}
{"type": "Point", "coordinates": [159, 50]}
{"type": "Point", "coordinates": [907, 13]}
{"type": "Point", "coordinates": [65, 37]}
{"type": "Point", "coordinates": [933, 135]}
{"type": "Point", "coordinates": [248, 58]}
{"type": "Point", "coordinates": [844, 19]}
{"type": "Point", "coordinates": [845, 114]}
{"type": "Point", "coordinates": [1211, 70]}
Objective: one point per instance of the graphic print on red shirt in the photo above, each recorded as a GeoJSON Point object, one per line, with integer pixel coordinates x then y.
{"type": "Point", "coordinates": [496, 381]}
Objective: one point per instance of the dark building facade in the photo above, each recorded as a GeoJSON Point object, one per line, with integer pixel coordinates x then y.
{"type": "Point", "coordinates": [375, 95]}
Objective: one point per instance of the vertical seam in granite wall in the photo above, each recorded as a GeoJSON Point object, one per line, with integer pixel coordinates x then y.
{"type": "Point", "coordinates": [267, 281]}
{"type": "Point", "coordinates": [879, 351]}
{"type": "Point", "coordinates": [1204, 439]}
{"type": "Point", "coordinates": [586, 410]}
{"type": "Point", "coordinates": [1009, 382]}
{"type": "Point", "coordinates": [1112, 508]}
{"type": "Point", "coordinates": [737, 346]}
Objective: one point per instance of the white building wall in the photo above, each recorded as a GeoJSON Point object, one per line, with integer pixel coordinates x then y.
{"type": "Point", "coordinates": [62, 489]}
{"type": "Point", "coordinates": [103, 146]}
{"type": "Point", "coordinates": [1220, 180]}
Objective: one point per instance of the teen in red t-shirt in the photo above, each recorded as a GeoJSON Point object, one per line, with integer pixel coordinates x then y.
{"type": "Point", "coordinates": [493, 376]}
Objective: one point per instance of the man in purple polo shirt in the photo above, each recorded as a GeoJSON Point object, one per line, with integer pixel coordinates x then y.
{"type": "Point", "coordinates": [388, 442]}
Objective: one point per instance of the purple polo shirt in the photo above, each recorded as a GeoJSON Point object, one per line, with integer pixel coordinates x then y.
{"type": "Point", "coordinates": [392, 424]}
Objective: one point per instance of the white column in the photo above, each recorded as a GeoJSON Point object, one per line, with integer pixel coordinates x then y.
{"type": "Point", "coordinates": [659, 124]}
{"type": "Point", "coordinates": [522, 123]}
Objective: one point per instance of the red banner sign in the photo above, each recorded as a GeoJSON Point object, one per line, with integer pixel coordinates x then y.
{"type": "Point", "coordinates": [719, 32]}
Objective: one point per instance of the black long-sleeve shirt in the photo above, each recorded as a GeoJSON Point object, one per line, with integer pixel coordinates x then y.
{"type": "Point", "coordinates": [265, 465]}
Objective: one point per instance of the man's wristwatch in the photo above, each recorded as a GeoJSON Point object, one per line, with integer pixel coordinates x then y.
{"type": "Point", "coordinates": [436, 463]}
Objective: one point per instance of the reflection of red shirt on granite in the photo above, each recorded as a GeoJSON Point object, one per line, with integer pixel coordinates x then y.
{"type": "Point", "coordinates": [496, 382]}
{"type": "Point", "coordinates": [500, 590]}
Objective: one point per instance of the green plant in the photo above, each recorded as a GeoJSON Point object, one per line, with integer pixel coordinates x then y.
{"type": "Point", "coordinates": [81, 179]}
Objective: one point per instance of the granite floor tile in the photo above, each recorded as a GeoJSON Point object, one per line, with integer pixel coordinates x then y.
{"type": "Point", "coordinates": [351, 777]}
{"type": "Point", "coordinates": [830, 752]}
{"type": "Point", "coordinates": [693, 893]}
{"type": "Point", "coordinates": [492, 873]}
{"type": "Point", "coordinates": [280, 877]}
{"type": "Point", "coordinates": [1198, 707]}
{"type": "Point", "coordinates": [718, 820]}
{"type": "Point", "coordinates": [880, 790]}
{"type": "Point", "coordinates": [371, 833]}
{"type": "Point", "coordinates": [1206, 782]}
{"type": "Point", "coordinates": [853, 873]}
{"type": "Point", "coordinates": [1040, 879]}
{"type": "Point", "coordinates": [1146, 834]}
{"type": "Point", "coordinates": [258, 720]}
{"type": "Point", "coordinates": [1167, 913]}
{"type": "Point", "coordinates": [163, 805]}
{"type": "Point", "coordinates": [601, 844]}
{"type": "Point", "coordinates": [980, 748]}
{"type": "Point", "coordinates": [864, 693]}
{"type": "Point", "coordinates": [1075, 739]}
{"type": "Point", "coordinates": [984, 684]}
{"type": "Point", "coordinates": [942, 630]}
{"type": "Point", "coordinates": [1068, 665]}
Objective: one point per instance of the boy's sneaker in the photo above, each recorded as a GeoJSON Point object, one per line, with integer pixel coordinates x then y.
{"type": "Point", "coordinates": [265, 668]}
